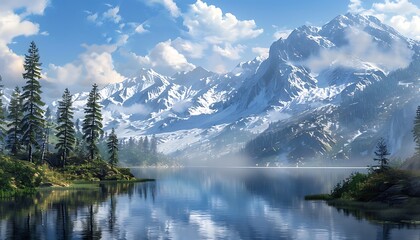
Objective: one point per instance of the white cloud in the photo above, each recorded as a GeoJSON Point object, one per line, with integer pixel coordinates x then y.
{"type": "Point", "coordinates": [229, 51]}
{"type": "Point", "coordinates": [13, 25]}
{"type": "Point", "coordinates": [207, 22]}
{"type": "Point", "coordinates": [191, 49]}
{"type": "Point", "coordinates": [355, 6]}
{"type": "Point", "coordinates": [362, 47]}
{"type": "Point", "coordinates": [112, 14]}
{"type": "Point", "coordinates": [282, 34]}
{"type": "Point", "coordinates": [140, 29]}
{"type": "Point", "coordinates": [410, 27]}
{"type": "Point", "coordinates": [30, 6]}
{"type": "Point", "coordinates": [170, 5]}
{"type": "Point", "coordinates": [397, 6]}
{"type": "Point", "coordinates": [402, 15]}
{"type": "Point", "coordinates": [261, 52]}
{"type": "Point", "coordinates": [92, 17]}
{"type": "Point", "coordinates": [164, 58]}
{"type": "Point", "coordinates": [94, 65]}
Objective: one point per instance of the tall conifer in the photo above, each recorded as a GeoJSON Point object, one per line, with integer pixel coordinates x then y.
{"type": "Point", "coordinates": [14, 134]}
{"type": "Point", "coordinates": [416, 130]}
{"type": "Point", "coordinates": [92, 124]}
{"type": "Point", "coordinates": [65, 129]}
{"type": "Point", "coordinates": [112, 144]}
{"type": "Point", "coordinates": [32, 122]}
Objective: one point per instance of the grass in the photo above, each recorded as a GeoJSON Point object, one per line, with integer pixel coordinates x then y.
{"type": "Point", "coordinates": [318, 197]}
{"type": "Point", "coordinates": [363, 195]}
{"type": "Point", "coordinates": [19, 177]}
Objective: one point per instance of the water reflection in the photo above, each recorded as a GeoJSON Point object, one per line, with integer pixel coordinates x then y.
{"type": "Point", "coordinates": [194, 204]}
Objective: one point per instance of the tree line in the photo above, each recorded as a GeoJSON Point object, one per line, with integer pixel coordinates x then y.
{"type": "Point", "coordinates": [29, 125]}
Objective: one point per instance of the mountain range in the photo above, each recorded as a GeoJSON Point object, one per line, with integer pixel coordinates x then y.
{"type": "Point", "coordinates": [325, 93]}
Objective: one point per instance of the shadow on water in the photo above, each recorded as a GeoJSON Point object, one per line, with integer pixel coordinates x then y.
{"type": "Point", "coordinates": [67, 213]}
{"type": "Point", "coordinates": [385, 217]}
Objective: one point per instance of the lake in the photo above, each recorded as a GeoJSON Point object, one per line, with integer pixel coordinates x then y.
{"type": "Point", "coordinates": [196, 203]}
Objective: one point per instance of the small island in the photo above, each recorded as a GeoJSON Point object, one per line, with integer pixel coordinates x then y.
{"type": "Point", "coordinates": [384, 194]}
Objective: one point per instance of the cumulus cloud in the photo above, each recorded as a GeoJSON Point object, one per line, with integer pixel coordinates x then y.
{"type": "Point", "coordinates": [112, 14]}
{"type": "Point", "coordinates": [13, 25]}
{"type": "Point", "coordinates": [229, 51]}
{"type": "Point", "coordinates": [140, 29]}
{"type": "Point", "coordinates": [170, 5]}
{"type": "Point", "coordinates": [261, 52]}
{"type": "Point", "coordinates": [208, 22]}
{"type": "Point", "coordinates": [282, 34]}
{"type": "Point", "coordinates": [402, 15]}
{"type": "Point", "coordinates": [94, 65]}
{"type": "Point", "coordinates": [164, 58]}
{"type": "Point", "coordinates": [29, 6]}
{"type": "Point", "coordinates": [355, 6]}
{"type": "Point", "coordinates": [92, 17]}
{"type": "Point", "coordinates": [362, 47]}
{"type": "Point", "coordinates": [190, 48]}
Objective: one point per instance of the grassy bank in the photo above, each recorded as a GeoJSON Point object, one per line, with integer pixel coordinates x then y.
{"type": "Point", "coordinates": [19, 177]}
{"type": "Point", "coordinates": [390, 195]}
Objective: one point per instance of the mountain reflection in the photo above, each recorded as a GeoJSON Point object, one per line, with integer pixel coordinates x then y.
{"type": "Point", "coordinates": [194, 204]}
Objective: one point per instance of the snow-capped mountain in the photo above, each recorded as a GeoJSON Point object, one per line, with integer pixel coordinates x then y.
{"type": "Point", "coordinates": [314, 96]}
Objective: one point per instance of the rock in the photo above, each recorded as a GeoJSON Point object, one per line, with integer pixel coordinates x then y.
{"type": "Point", "coordinates": [390, 193]}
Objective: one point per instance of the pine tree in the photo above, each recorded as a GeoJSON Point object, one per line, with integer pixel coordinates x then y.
{"type": "Point", "coordinates": [32, 122]}
{"type": "Point", "coordinates": [153, 145]}
{"type": "Point", "coordinates": [14, 134]}
{"type": "Point", "coordinates": [66, 133]}
{"type": "Point", "coordinates": [146, 145]}
{"type": "Point", "coordinates": [381, 154]}
{"type": "Point", "coordinates": [48, 127]}
{"type": "Point", "coordinates": [2, 117]}
{"type": "Point", "coordinates": [416, 130]}
{"type": "Point", "coordinates": [112, 144]}
{"type": "Point", "coordinates": [92, 124]}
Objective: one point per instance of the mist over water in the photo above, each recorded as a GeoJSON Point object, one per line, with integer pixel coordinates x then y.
{"type": "Point", "coordinates": [196, 203]}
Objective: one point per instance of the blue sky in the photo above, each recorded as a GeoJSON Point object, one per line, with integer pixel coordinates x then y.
{"type": "Point", "coordinates": [87, 41]}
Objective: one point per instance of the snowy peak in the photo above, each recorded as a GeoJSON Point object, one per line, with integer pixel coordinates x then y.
{"type": "Point", "coordinates": [336, 29]}
{"type": "Point", "coordinates": [197, 78]}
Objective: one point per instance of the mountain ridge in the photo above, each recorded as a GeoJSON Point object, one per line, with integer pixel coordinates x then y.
{"type": "Point", "coordinates": [313, 69]}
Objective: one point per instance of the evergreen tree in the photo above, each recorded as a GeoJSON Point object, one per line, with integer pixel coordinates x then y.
{"type": "Point", "coordinates": [92, 124]}
{"type": "Point", "coordinates": [153, 145]}
{"type": "Point", "coordinates": [48, 127]}
{"type": "Point", "coordinates": [66, 133]}
{"type": "Point", "coordinates": [32, 122]}
{"type": "Point", "coordinates": [146, 145]}
{"type": "Point", "coordinates": [112, 144]}
{"type": "Point", "coordinates": [416, 130]}
{"type": "Point", "coordinates": [14, 133]}
{"type": "Point", "coordinates": [381, 154]}
{"type": "Point", "coordinates": [77, 125]}
{"type": "Point", "coordinates": [2, 117]}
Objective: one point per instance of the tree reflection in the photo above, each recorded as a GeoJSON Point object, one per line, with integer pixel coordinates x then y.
{"type": "Point", "coordinates": [67, 214]}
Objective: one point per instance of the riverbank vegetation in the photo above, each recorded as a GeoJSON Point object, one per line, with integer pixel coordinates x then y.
{"type": "Point", "coordinates": [38, 149]}
{"type": "Point", "coordinates": [389, 193]}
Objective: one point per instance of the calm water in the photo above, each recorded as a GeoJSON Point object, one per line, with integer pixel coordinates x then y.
{"type": "Point", "coordinates": [196, 203]}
